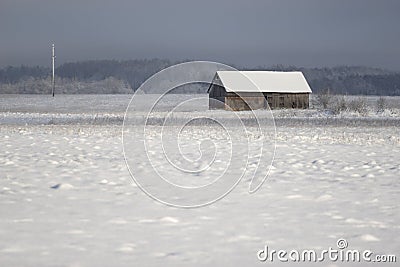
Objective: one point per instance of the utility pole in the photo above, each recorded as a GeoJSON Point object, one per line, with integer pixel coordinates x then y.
{"type": "Point", "coordinates": [53, 81]}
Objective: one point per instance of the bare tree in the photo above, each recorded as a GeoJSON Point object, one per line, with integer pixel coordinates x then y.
{"type": "Point", "coordinates": [323, 98]}
{"type": "Point", "coordinates": [359, 105]}
{"type": "Point", "coordinates": [381, 104]}
{"type": "Point", "coordinates": [339, 104]}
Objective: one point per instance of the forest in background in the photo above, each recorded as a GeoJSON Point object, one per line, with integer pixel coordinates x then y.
{"type": "Point", "coordinates": [122, 77]}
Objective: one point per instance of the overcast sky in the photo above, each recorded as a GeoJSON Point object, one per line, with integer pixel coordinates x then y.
{"type": "Point", "coordinates": [245, 33]}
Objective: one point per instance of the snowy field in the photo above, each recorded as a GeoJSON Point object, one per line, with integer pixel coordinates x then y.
{"type": "Point", "coordinates": [67, 198]}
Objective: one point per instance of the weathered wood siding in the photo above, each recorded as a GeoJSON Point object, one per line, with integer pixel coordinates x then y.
{"type": "Point", "coordinates": [245, 101]}
{"type": "Point", "coordinates": [220, 99]}
{"type": "Point", "coordinates": [287, 100]}
{"type": "Point", "coordinates": [216, 95]}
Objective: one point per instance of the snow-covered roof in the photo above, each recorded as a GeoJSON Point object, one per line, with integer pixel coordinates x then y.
{"type": "Point", "coordinates": [264, 81]}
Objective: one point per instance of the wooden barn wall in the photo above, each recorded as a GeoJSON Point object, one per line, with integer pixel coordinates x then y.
{"type": "Point", "coordinates": [216, 97]}
{"type": "Point", "coordinates": [219, 98]}
{"type": "Point", "coordinates": [291, 100]}
{"type": "Point", "coordinates": [245, 102]}
{"type": "Point", "coordinates": [216, 102]}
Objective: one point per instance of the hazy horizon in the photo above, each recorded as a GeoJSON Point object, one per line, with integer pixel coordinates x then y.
{"type": "Point", "coordinates": [247, 67]}
{"type": "Point", "coordinates": [308, 33]}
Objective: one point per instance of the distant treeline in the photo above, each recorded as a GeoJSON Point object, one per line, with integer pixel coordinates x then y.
{"type": "Point", "coordinates": [349, 80]}
{"type": "Point", "coordinates": [113, 76]}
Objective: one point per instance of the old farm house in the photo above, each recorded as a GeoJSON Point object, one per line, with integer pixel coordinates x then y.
{"type": "Point", "coordinates": [245, 90]}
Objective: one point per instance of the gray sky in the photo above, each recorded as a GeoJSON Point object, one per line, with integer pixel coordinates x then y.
{"type": "Point", "coordinates": [245, 33]}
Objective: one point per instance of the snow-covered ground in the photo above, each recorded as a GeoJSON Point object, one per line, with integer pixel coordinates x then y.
{"type": "Point", "coordinates": [67, 199]}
